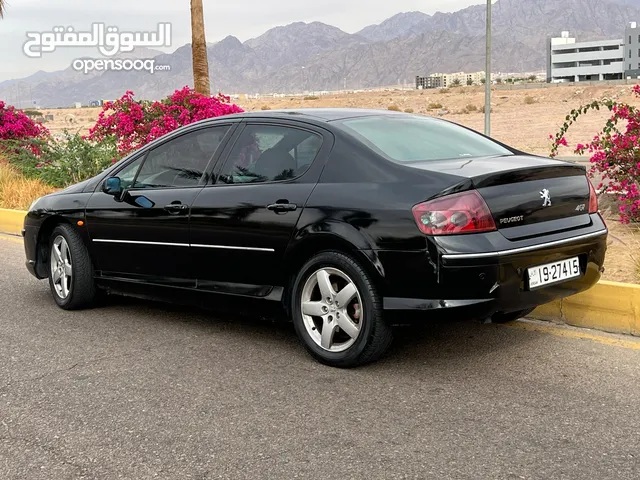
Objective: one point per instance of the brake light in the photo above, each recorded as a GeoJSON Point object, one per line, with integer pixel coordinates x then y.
{"type": "Point", "coordinates": [593, 198]}
{"type": "Point", "coordinates": [465, 212]}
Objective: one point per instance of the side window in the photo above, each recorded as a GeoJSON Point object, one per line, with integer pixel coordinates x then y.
{"type": "Point", "coordinates": [269, 153]}
{"type": "Point", "coordinates": [181, 162]}
{"type": "Point", "coordinates": [128, 173]}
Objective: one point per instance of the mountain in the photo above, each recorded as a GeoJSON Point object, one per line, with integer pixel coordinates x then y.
{"type": "Point", "coordinates": [315, 56]}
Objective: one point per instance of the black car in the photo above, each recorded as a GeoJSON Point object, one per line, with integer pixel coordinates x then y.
{"type": "Point", "coordinates": [341, 216]}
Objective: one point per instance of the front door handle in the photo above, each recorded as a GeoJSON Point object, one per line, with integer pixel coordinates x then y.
{"type": "Point", "coordinates": [176, 207]}
{"type": "Point", "coordinates": [282, 207]}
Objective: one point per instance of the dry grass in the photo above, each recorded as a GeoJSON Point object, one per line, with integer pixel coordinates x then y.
{"type": "Point", "coordinates": [18, 192]}
{"type": "Point", "coordinates": [529, 100]}
{"type": "Point", "coordinates": [622, 263]}
{"type": "Point", "coordinates": [394, 108]}
{"type": "Point", "coordinates": [434, 106]}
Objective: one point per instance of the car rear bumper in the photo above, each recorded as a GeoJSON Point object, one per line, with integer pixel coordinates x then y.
{"type": "Point", "coordinates": [483, 283]}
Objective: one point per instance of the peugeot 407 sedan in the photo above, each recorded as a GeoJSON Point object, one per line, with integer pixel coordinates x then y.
{"type": "Point", "coordinates": [341, 216]}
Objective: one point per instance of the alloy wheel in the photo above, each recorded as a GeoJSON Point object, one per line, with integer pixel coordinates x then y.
{"type": "Point", "coordinates": [332, 310]}
{"type": "Point", "coordinates": [61, 267]}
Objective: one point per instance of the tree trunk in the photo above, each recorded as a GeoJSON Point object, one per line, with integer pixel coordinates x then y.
{"type": "Point", "coordinates": [199, 49]}
{"type": "Point", "coordinates": [2, 5]}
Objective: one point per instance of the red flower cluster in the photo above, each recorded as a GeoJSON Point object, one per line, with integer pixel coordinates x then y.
{"type": "Point", "coordinates": [15, 125]}
{"type": "Point", "coordinates": [135, 123]}
{"type": "Point", "coordinates": [615, 152]}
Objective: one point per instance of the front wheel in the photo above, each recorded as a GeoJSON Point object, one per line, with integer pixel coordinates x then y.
{"type": "Point", "coordinates": [70, 270]}
{"type": "Point", "coordinates": [337, 312]}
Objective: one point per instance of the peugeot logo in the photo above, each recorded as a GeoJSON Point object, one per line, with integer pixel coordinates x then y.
{"type": "Point", "coordinates": [545, 195]}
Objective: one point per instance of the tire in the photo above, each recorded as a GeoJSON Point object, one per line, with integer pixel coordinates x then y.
{"type": "Point", "coordinates": [361, 317]}
{"type": "Point", "coordinates": [511, 316]}
{"type": "Point", "coordinates": [78, 291]}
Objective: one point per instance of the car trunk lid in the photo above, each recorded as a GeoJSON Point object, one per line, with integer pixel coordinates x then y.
{"type": "Point", "coordinates": [527, 195]}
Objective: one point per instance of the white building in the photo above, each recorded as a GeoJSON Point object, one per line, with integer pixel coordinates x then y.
{"type": "Point", "coordinates": [571, 61]}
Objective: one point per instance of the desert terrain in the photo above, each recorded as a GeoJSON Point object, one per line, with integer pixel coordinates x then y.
{"type": "Point", "coordinates": [521, 118]}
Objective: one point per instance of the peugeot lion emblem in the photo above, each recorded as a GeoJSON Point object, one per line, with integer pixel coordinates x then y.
{"type": "Point", "coordinates": [545, 195]}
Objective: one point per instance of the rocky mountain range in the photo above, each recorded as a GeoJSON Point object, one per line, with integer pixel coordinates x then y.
{"type": "Point", "coordinates": [315, 56]}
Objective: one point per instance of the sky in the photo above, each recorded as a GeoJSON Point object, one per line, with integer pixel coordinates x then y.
{"type": "Point", "coordinates": [243, 19]}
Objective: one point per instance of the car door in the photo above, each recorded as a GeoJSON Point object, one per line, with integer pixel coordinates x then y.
{"type": "Point", "coordinates": [241, 225]}
{"type": "Point", "coordinates": [143, 234]}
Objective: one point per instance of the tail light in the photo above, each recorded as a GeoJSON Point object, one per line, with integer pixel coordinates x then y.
{"type": "Point", "coordinates": [465, 212]}
{"type": "Point", "coordinates": [593, 198]}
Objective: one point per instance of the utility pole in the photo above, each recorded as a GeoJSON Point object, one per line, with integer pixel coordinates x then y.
{"type": "Point", "coordinates": [487, 83]}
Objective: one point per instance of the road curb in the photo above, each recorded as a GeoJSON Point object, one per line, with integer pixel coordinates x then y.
{"type": "Point", "coordinates": [11, 221]}
{"type": "Point", "coordinates": [609, 306]}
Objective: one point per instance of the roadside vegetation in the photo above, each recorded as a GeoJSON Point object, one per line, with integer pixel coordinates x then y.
{"type": "Point", "coordinates": [35, 162]}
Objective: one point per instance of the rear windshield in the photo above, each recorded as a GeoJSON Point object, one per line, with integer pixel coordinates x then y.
{"type": "Point", "coordinates": [415, 139]}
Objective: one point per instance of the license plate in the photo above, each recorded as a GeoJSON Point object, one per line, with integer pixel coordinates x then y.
{"type": "Point", "coordinates": [555, 272]}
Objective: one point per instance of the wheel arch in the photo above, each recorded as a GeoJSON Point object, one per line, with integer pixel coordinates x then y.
{"type": "Point", "coordinates": [42, 246]}
{"type": "Point", "coordinates": [304, 248]}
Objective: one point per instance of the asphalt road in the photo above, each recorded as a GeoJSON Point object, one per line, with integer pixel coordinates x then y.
{"type": "Point", "coordinates": [141, 390]}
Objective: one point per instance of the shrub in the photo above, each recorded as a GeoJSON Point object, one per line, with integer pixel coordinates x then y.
{"type": "Point", "coordinates": [265, 107]}
{"type": "Point", "coordinates": [614, 151]}
{"type": "Point", "coordinates": [15, 125]}
{"type": "Point", "coordinates": [483, 109]}
{"type": "Point", "coordinates": [471, 108]}
{"type": "Point", "coordinates": [394, 108]}
{"type": "Point", "coordinates": [311, 97]}
{"type": "Point", "coordinates": [32, 113]}
{"type": "Point", "coordinates": [469, 82]}
{"type": "Point", "coordinates": [529, 100]}
{"type": "Point", "coordinates": [456, 82]}
{"type": "Point", "coordinates": [18, 192]}
{"type": "Point", "coordinates": [444, 90]}
{"type": "Point", "coordinates": [408, 110]}
{"type": "Point", "coordinates": [62, 162]}
{"type": "Point", "coordinates": [135, 123]}
{"type": "Point", "coordinates": [435, 106]}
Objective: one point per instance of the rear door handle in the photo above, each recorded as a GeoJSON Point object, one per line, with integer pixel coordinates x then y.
{"type": "Point", "coordinates": [282, 207]}
{"type": "Point", "coordinates": [176, 208]}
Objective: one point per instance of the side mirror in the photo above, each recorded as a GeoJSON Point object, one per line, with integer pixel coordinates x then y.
{"type": "Point", "coordinates": [112, 186]}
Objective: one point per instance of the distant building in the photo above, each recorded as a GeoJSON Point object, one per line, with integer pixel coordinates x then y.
{"type": "Point", "coordinates": [571, 61]}
{"type": "Point", "coordinates": [632, 58]}
{"type": "Point", "coordinates": [445, 80]}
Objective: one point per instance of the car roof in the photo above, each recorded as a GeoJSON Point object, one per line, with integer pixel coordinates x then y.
{"type": "Point", "coordinates": [321, 114]}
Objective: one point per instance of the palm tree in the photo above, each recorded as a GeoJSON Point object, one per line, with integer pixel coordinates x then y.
{"type": "Point", "coordinates": [198, 49]}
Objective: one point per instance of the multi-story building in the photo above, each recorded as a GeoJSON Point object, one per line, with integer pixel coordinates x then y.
{"type": "Point", "coordinates": [632, 56]}
{"type": "Point", "coordinates": [444, 80]}
{"type": "Point", "coordinates": [571, 61]}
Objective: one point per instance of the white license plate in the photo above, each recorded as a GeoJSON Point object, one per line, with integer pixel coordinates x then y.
{"type": "Point", "coordinates": [553, 273]}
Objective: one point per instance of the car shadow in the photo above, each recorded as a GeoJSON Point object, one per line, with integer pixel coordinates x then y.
{"type": "Point", "coordinates": [441, 342]}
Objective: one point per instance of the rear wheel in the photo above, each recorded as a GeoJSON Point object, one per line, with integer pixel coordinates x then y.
{"type": "Point", "coordinates": [337, 312]}
{"type": "Point", "coordinates": [511, 317]}
{"type": "Point", "coordinates": [70, 270]}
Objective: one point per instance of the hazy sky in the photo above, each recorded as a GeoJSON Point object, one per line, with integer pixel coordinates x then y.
{"type": "Point", "coordinates": [244, 19]}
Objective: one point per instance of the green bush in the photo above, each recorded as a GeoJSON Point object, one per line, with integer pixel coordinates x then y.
{"type": "Point", "coordinates": [61, 162]}
{"type": "Point", "coordinates": [32, 113]}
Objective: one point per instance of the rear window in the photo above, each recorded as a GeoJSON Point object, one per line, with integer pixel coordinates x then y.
{"type": "Point", "coordinates": [416, 139]}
